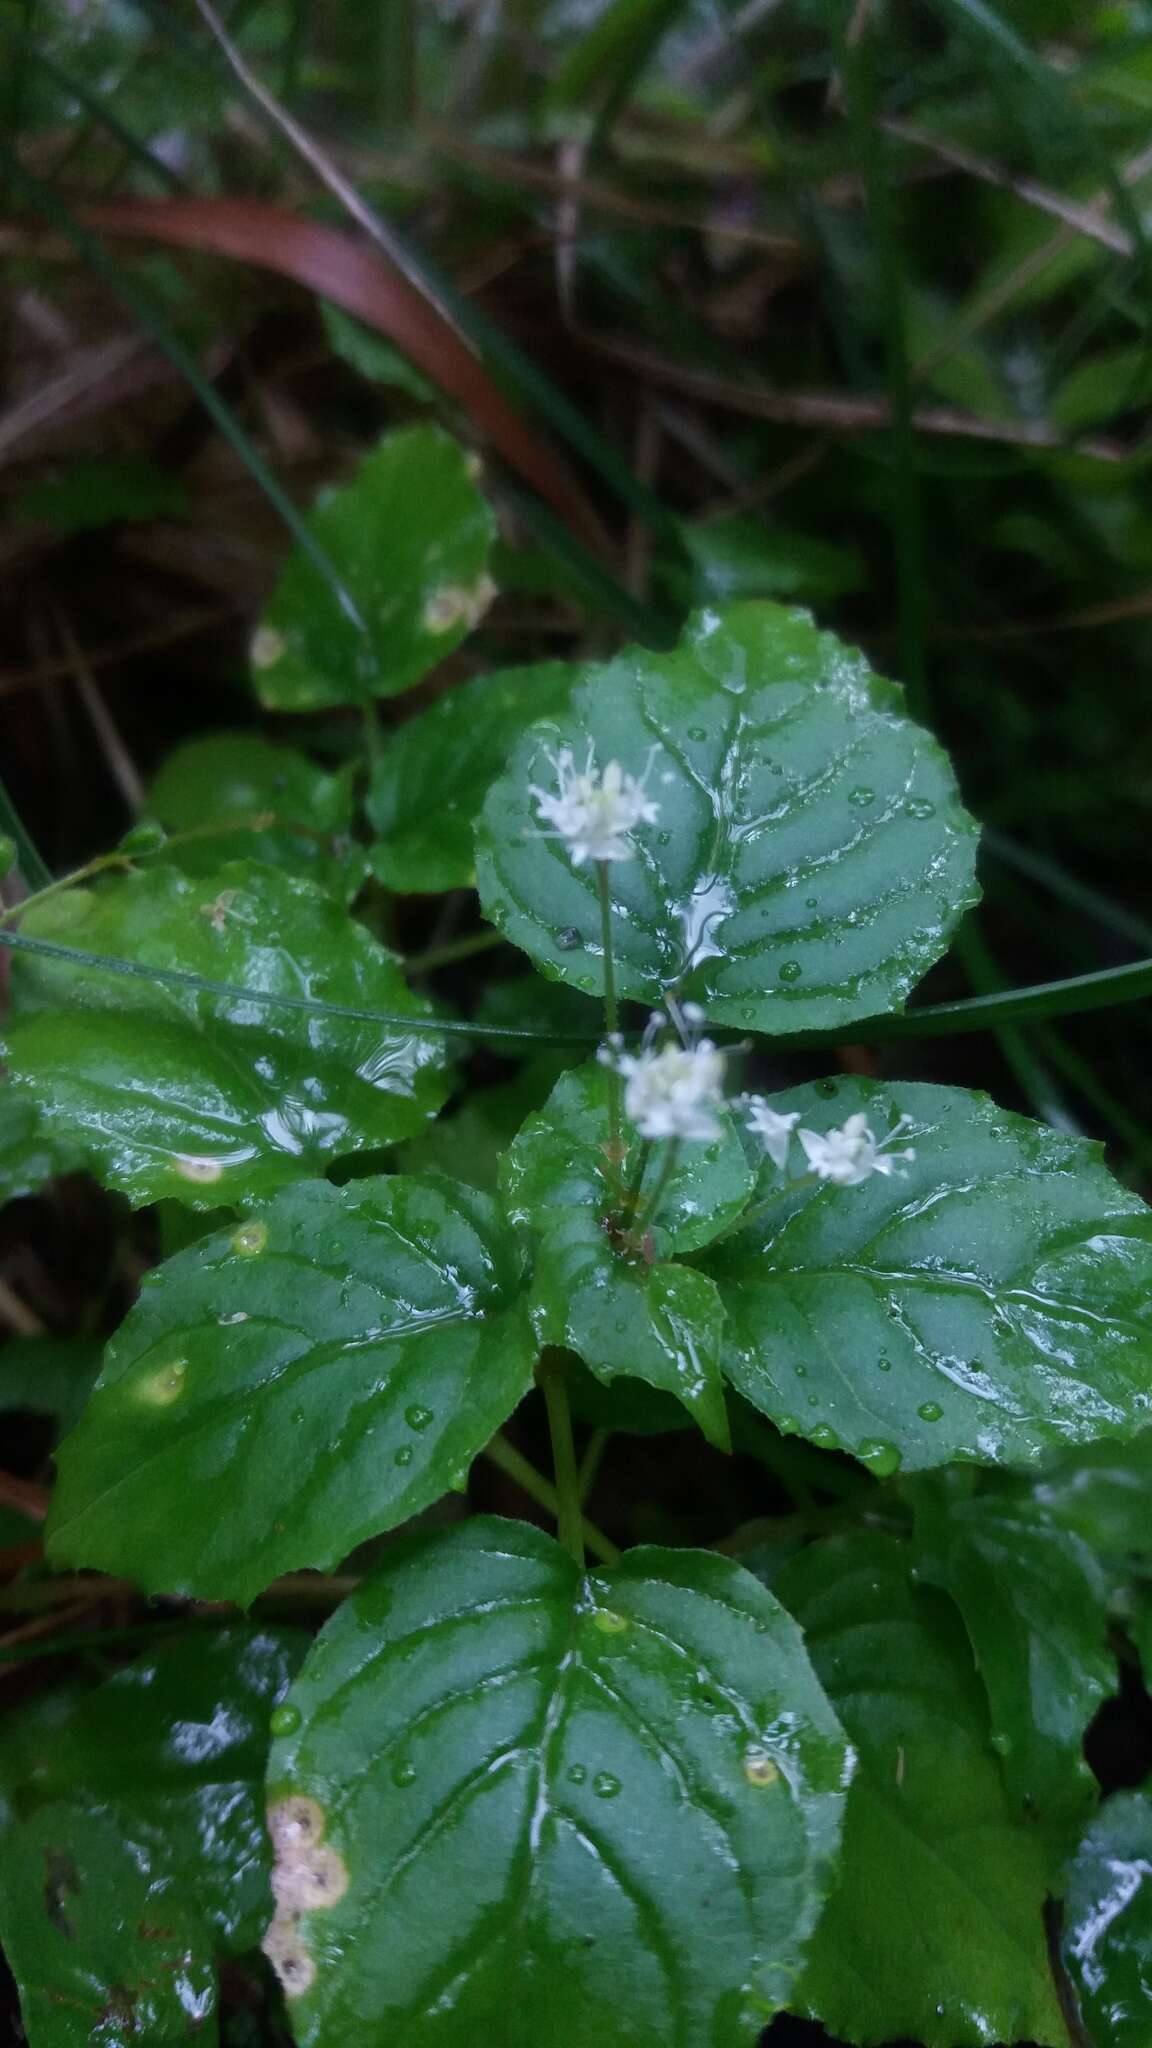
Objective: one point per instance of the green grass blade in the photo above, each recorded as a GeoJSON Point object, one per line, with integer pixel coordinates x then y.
{"type": "Point", "coordinates": [28, 859]}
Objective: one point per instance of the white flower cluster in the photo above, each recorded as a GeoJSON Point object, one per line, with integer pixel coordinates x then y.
{"type": "Point", "coordinates": [845, 1156]}
{"type": "Point", "coordinates": [676, 1092]}
{"type": "Point", "coordinates": [593, 813]}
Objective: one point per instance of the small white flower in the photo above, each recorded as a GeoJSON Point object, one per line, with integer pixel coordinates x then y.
{"type": "Point", "coordinates": [674, 1093]}
{"type": "Point", "coordinates": [774, 1129]}
{"type": "Point", "coordinates": [595, 813]}
{"type": "Point", "coordinates": [852, 1154]}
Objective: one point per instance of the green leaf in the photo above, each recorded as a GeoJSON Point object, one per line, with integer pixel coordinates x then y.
{"type": "Point", "coordinates": [102, 490]}
{"type": "Point", "coordinates": [598, 1291]}
{"type": "Point", "coordinates": [991, 1299]}
{"type": "Point", "coordinates": [410, 535]}
{"type": "Point", "coordinates": [739, 555]}
{"type": "Point", "coordinates": [135, 1850]}
{"type": "Point", "coordinates": [811, 855]}
{"type": "Point", "coordinates": [31, 1151]}
{"type": "Point", "coordinates": [558, 1161]}
{"type": "Point", "coordinates": [319, 1374]}
{"type": "Point", "coordinates": [934, 1931]}
{"type": "Point", "coordinates": [436, 771]}
{"type": "Point", "coordinates": [48, 1375]}
{"type": "Point", "coordinates": [1108, 1922]}
{"type": "Point", "coordinates": [1101, 1493]}
{"type": "Point", "coordinates": [1034, 1600]}
{"type": "Point", "coordinates": [238, 776]}
{"type": "Point", "coordinates": [173, 1092]}
{"type": "Point", "coordinates": [586, 1811]}
{"type": "Point", "coordinates": [373, 356]}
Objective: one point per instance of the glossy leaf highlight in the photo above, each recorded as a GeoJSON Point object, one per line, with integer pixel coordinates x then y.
{"type": "Point", "coordinates": [591, 1811]}
{"type": "Point", "coordinates": [934, 1932]}
{"type": "Point", "coordinates": [170, 1091]}
{"type": "Point", "coordinates": [135, 1851]}
{"type": "Point", "coordinates": [1108, 1922]}
{"type": "Point", "coordinates": [811, 855]}
{"type": "Point", "coordinates": [990, 1300]}
{"type": "Point", "coordinates": [320, 1373]}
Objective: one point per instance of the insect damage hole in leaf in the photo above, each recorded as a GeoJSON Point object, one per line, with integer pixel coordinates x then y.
{"type": "Point", "coordinates": [586, 1811]}
{"type": "Point", "coordinates": [810, 856]}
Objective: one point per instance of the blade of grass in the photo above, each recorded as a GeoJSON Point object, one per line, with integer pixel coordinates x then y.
{"type": "Point", "coordinates": [28, 860]}
{"type": "Point", "coordinates": [87, 245]}
{"type": "Point", "coordinates": [395, 62]}
{"type": "Point", "coordinates": [861, 88]}
{"type": "Point", "coordinates": [604, 67]}
{"type": "Point", "coordinates": [1077, 895]}
{"type": "Point", "coordinates": [1064, 108]}
{"type": "Point", "coordinates": [1076, 994]}
{"type": "Point", "coordinates": [98, 110]}
{"type": "Point", "coordinates": [178, 977]}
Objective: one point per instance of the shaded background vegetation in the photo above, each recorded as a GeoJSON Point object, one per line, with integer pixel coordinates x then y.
{"type": "Point", "coordinates": [844, 305]}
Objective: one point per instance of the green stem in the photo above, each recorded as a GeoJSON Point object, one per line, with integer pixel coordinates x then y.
{"type": "Point", "coordinates": [636, 1180]}
{"type": "Point", "coordinates": [569, 1520]}
{"type": "Point", "coordinates": [515, 1465]}
{"type": "Point", "coordinates": [84, 874]}
{"type": "Point", "coordinates": [758, 1209]}
{"type": "Point", "coordinates": [667, 1169]}
{"type": "Point", "coordinates": [457, 949]}
{"type": "Point", "coordinates": [611, 1012]}
{"type": "Point", "coordinates": [590, 1463]}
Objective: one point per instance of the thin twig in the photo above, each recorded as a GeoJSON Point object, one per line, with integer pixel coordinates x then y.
{"type": "Point", "coordinates": [1079, 219]}
{"type": "Point", "coordinates": [838, 411]}
{"type": "Point", "coordinates": [17, 1314]}
{"type": "Point", "coordinates": [120, 763]}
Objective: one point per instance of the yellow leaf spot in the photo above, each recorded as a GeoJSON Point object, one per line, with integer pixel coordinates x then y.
{"type": "Point", "coordinates": [308, 1881]}
{"type": "Point", "coordinates": [295, 1823]}
{"type": "Point", "coordinates": [288, 1956]}
{"type": "Point", "coordinates": [609, 1623]}
{"type": "Point", "coordinates": [458, 604]}
{"type": "Point", "coordinates": [200, 1170]}
{"type": "Point", "coordinates": [160, 1389]}
{"type": "Point", "coordinates": [267, 646]}
{"type": "Point", "coordinates": [250, 1239]}
{"type": "Point", "coordinates": [759, 1768]}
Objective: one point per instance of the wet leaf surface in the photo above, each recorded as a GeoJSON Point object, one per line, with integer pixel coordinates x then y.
{"type": "Point", "coordinates": [988, 1301]}
{"type": "Point", "coordinates": [621, 1306]}
{"type": "Point", "coordinates": [236, 776]}
{"type": "Point", "coordinates": [583, 1811]}
{"type": "Point", "coordinates": [435, 772]}
{"type": "Point", "coordinates": [174, 1092]}
{"type": "Point", "coordinates": [934, 1931]}
{"type": "Point", "coordinates": [318, 1374]}
{"type": "Point", "coordinates": [811, 855]}
{"type": "Point", "coordinates": [1034, 1599]}
{"type": "Point", "coordinates": [135, 1849]}
{"type": "Point", "coordinates": [1108, 1922]}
